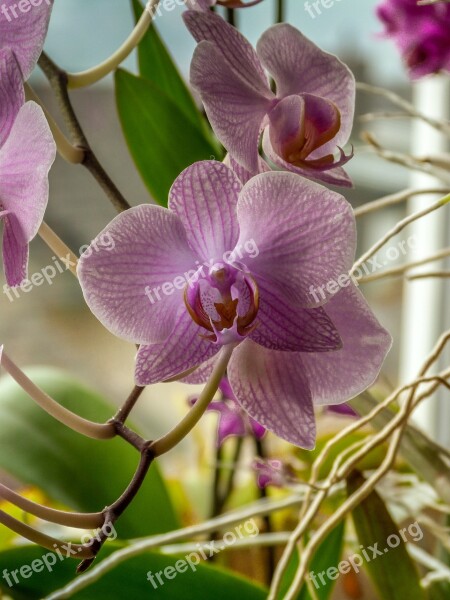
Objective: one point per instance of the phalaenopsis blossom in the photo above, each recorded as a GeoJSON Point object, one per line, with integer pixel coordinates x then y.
{"type": "Point", "coordinates": [23, 29]}
{"type": "Point", "coordinates": [233, 420]}
{"type": "Point", "coordinates": [306, 121]}
{"type": "Point", "coordinates": [27, 151]}
{"type": "Point", "coordinates": [421, 33]}
{"type": "Point", "coordinates": [232, 265]}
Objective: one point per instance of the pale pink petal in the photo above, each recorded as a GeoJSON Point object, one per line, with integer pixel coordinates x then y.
{"type": "Point", "coordinates": [234, 107]}
{"type": "Point", "coordinates": [183, 350]}
{"type": "Point", "coordinates": [15, 251]}
{"type": "Point", "coordinates": [136, 288]}
{"type": "Point", "coordinates": [272, 387]}
{"type": "Point", "coordinates": [25, 160]}
{"type": "Point", "coordinates": [204, 197]}
{"type": "Point", "coordinates": [338, 376]}
{"type": "Point", "coordinates": [235, 48]}
{"type": "Point", "coordinates": [305, 235]}
{"type": "Point", "coordinates": [12, 95]}
{"type": "Point", "coordinates": [23, 27]}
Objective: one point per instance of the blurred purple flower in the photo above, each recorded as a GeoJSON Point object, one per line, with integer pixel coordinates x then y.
{"type": "Point", "coordinates": [24, 31]}
{"type": "Point", "coordinates": [270, 472]}
{"type": "Point", "coordinates": [342, 409]}
{"type": "Point", "coordinates": [420, 32]}
{"type": "Point", "coordinates": [27, 151]}
{"type": "Point", "coordinates": [181, 283]}
{"type": "Point", "coordinates": [308, 119]}
{"type": "Point", "coordinates": [233, 421]}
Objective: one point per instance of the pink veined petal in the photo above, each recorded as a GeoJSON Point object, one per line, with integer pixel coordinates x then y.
{"type": "Point", "coordinates": [184, 349]}
{"type": "Point", "coordinates": [336, 377]}
{"type": "Point", "coordinates": [241, 173]}
{"type": "Point", "coordinates": [335, 176]}
{"type": "Point", "coordinates": [281, 326]}
{"type": "Point", "coordinates": [12, 95]}
{"type": "Point", "coordinates": [235, 48]}
{"type": "Point", "coordinates": [204, 197]}
{"type": "Point", "coordinates": [136, 288]}
{"type": "Point", "coordinates": [24, 32]}
{"type": "Point", "coordinates": [25, 161]}
{"type": "Point", "coordinates": [235, 108]}
{"type": "Point", "coordinates": [202, 374]}
{"type": "Point", "coordinates": [305, 235]}
{"type": "Point", "coordinates": [15, 250]}
{"type": "Point", "coordinates": [272, 387]}
{"type": "Point", "coordinates": [299, 66]}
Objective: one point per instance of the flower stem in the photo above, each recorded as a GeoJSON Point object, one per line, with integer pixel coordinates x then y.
{"type": "Point", "coordinates": [71, 154]}
{"type": "Point", "coordinates": [85, 78]}
{"type": "Point", "coordinates": [185, 426]}
{"type": "Point", "coordinates": [63, 415]}
{"type": "Point", "coordinates": [57, 246]}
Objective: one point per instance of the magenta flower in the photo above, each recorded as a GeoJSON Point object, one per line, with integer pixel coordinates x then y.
{"type": "Point", "coordinates": [420, 32]}
{"type": "Point", "coordinates": [233, 421]}
{"type": "Point", "coordinates": [305, 123]}
{"type": "Point", "coordinates": [227, 264]}
{"type": "Point", "coordinates": [270, 472]}
{"type": "Point", "coordinates": [23, 27]}
{"type": "Point", "coordinates": [27, 151]}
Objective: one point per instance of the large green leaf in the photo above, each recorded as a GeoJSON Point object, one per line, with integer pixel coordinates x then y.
{"type": "Point", "coordinates": [156, 65]}
{"type": "Point", "coordinates": [326, 556]}
{"type": "Point", "coordinates": [82, 473]}
{"type": "Point", "coordinates": [162, 139]}
{"type": "Point", "coordinates": [393, 572]}
{"type": "Point", "coordinates": [129, 580]}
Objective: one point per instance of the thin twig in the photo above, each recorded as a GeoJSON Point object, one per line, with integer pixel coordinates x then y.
{"type": "Point", "coordinates": [396, 198]}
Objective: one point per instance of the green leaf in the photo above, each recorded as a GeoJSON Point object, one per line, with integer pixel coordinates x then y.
{"type": "Point", "coordinates": [161, 139]}
{"type": "Point", "coordinates": [439, 590]}
{"type": "Point", "coordinates": [156, 65]}
{"type": "Point", "coordinates": [82, 473]}
{"type": "Point", "coordinates": [393, 572]}
{"type": "Point", "coordinates": [129, 580]}
{"type": "Point", "coordinates": [326, 556]}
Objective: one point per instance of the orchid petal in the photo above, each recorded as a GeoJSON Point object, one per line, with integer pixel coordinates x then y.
{"type": "Point", "coordinates": [25, 31]}
{"type": "Point", "coordinates": [337, 377]}
{"type": "Point", "coordinates": [15, 251]}
{"type": "Point", "coordinates": [235, 109]}
{"type": "Point", "coordinates": [136, 288]}
{"type": "Point", "coordinates": [274, 391]}
{"type": "Point", "coordinates": [280, 326]}
{"type": "Point", "coordinates": [12, 95]}
{"type": "Point", "coordinates": [25, 160]}
{"type": "Point", "coordinates": [305, 235]}
{"type": "Point", "coordinates": [234, 47]}
{"type": "Point", "coordinates": [204, 197]}
{"type": "Point", "coordinates": [183, 350]}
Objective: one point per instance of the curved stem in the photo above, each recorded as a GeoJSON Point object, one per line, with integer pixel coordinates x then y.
{"type": "Point", "coordinates": [88, 428]}
{"type": "Point", "coordinates": [56, 245]}
{"type": "Point", "coordinates": [69, 519]}
{"type": "Point", "coordinates": [41, 539]}
{"type": "Point", "coordinates": [185, 426]}
{"type": "Point", "coordinates": [71, 154]}
{"type": "Point", "coordinates": [85, 78]}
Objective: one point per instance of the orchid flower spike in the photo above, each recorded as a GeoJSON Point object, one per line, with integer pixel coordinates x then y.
{"type": "Point", "coordinates": [247, 266]}
{"type": "Point", "coordinates": [305, 122]}
{"type": "Point", "coordinates": [23, 29]}
{"type": "Point", "coordinates": [27, 151]}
